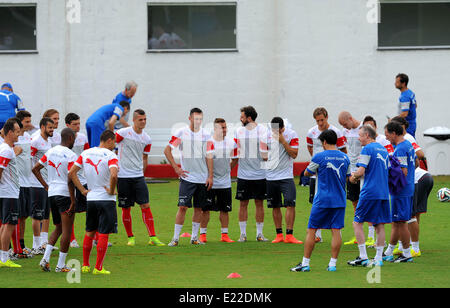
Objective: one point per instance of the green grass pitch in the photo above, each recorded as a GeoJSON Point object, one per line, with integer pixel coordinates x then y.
{"type": "Point", "coordinates": [261, 265]}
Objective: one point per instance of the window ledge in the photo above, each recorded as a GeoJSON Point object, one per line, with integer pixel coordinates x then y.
{"type": "Point", "coordinates": [18, 52]}
{"type": "Point", "coordinates": [191, 50]}
{"type": "Point", "coordinates": [413, 48]}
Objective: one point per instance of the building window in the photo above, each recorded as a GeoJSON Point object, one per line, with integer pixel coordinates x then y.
{"type": "Point", "coordinates": [17, 28]}
{"type": "Point", "coordinates": [192, 27]}
{"type": "Point", "coordinates": [414, 24]}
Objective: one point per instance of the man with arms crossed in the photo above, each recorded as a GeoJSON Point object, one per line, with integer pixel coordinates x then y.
{"type": "Point", "coordinates": [196, 172]}
{"type": "Point", "coordinates": [373, 206]}
{"type": "Point", "coordinates": [251, 139]}
{"type": "Point", "coordinates": [328, 210]}
{"type": "Point", "coordinates": [134, 147]}
{"type": "Point", "coordinates": [100, 167]}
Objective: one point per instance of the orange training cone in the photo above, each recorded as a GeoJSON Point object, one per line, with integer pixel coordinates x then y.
{"type": "Point", "coordinates": [234, 275]}
{"type": "Point", "coordinates": [185, 235]}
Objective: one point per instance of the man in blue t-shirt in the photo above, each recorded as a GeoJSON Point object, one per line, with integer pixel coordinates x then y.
{"type": "Point", "coordinates": [402, 203]}
{"type": "Point", "coordinates": [373, 205]}
{"type": "Point", "coordinates": [10, 103]}
{"type": "Point", "coordinates": [95, 124]}
{"type": "Point", "coordinates": [332, 168]}
{"type": "Point", "coordinates": [126, 95]}
{"type": "Point", "coordinates": [407, 103]}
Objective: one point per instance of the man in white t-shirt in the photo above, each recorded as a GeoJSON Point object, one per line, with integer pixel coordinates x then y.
{"type": "Point", "coordinates": [219, 198]}
{"type": "Point", "coordinates": [58, 161]}
{"type": "Point", "coordinates": [281, 191]}
{"type": "Point", "coordinates": [251, 139]}
{"type": "Point", "coordinates": [100, 167]}
{"type": "Point", "coordinates": [314, 146]}
{"type": "Point", "coordinates": [196, 172]}
{"type": "Point", "coordinates": [9, 191]}
{"type": "Point", "coordinates": [134, 146]}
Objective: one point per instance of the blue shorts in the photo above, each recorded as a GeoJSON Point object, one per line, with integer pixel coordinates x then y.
{"type": "Point", "coordinates": [373, 211]}
{"type": "Point", "coordinates": [401, 208]}
{"type": "Point", "coordinates": [326, 218]}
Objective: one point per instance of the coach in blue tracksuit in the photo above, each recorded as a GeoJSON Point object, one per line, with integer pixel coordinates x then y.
{"type": "Point", "coordinates": [9, 103]}
{"type": "Point", "coordinates": [95, 124]}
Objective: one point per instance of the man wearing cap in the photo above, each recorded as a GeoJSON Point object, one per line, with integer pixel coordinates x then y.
{"type": "Point", "coordinates": [10, 103]}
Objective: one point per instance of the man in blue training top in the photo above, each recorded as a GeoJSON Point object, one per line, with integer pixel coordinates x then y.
{"type": "Point", "coordinates": [402, 202]}
{"type": "Point", "coordinates": [126, 95]}
{"type": "Point", "coordinates": [328, 211]}
{"type": "Point", "coordinates": [10, 103]}
{"type": "Point", "coordinates": [373, 205]}
{"type": "Point", "coordinates": [95, 124]}
{"type": "Point", "coordinates": [407, 103]}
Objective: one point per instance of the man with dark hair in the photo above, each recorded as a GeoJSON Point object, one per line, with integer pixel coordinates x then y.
{"type": "Point", "coordinates": [281, 192]}
{"type": "Point", "coordinates": [402, 201]}
{"type": "Point", "coordinates": [58, 161]}
{"type": "Point", "coordinates": [405, 124]}
{"type": "Point", "coordinates": [314, 146]}
{"type": "Point", "coordinates": [220, 196]}
{"type": "Point", "coordinates": [9, 191]}
{"type": "Point", "coordinates": [381, 139]}
{"type": "Point", "coordinates": [251, 139]}
{"type": "Point", "coordinates": [328, 211]}
{"type": "Point", "coordinates": [110, 114]}
{"type": "Point", "coordinates": [134, 147]}
{"type": "Point", "coordinates": [81, 144]}
{"type": "Point", "coordinates": [373, 205]}
{"type": "Point", "coordinates": [100, 167]}
{"type": "Point", "coordinates": [40, 144]}
{"type": "Point", "coordinates": [196, 172]}
{"type": "Point", "coordinates": [407, 102]}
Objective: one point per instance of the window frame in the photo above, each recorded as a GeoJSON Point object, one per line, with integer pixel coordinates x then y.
{"type": "Point", "coordinates": [25, 51]}
{"type": "Point", "coordinates": [190, 3]}
{"type": "Point", "coordinates": [431, 47]}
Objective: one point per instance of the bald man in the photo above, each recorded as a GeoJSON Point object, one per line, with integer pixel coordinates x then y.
{"type": "Point", "coordinates": [351, 127]}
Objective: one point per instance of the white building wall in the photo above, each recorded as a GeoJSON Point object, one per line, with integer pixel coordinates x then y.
{"type": "Point", "coordinates": [294, 56]}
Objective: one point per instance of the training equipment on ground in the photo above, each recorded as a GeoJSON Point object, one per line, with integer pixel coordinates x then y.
{"type": "Point", "coordinates": [443, 194]}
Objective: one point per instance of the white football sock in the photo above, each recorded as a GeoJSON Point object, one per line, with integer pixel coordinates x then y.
{"type": "Point", "coordinates": [407, 252]}
{"type": "Point", "coordinates": [48, 252]}
{"type": "Point", "coordinates": [332, 262]}
{"type": "Point", "coordinates": [177, 231]}
{"type": "Point", "coordinates": [4, 256]}
{"type": "Point", "coordinates": [36, 242]}
{"type": "Point", "coordinates": [203, 230]}
{"type": "Point", "coordinates": [224, 230]}
{"type": "Point", "coordinates": [243, 227]}
{"type": "Point", "coordinates": [319, 233]}
{"type": "Point", "coordinates": [362, 251]}
{"type": "Point", "coordinates": [379, 254]}
{"type": "Point", "coordinates": [62, 259]}
{"type": "Point", "coordinates": [305, 262]}
{"type": "Point", "coordinates": [259, 228]}
{"type": "Point", "coordinates": [389, 251]}
{"type": "Point", "coordinates": [44, 238]}
{"type": "Point", "coordinates": [371, 232]}
{"type": "Point", "coordinates": [400, 246]}
{"type": "Point", "coordinates": [195, 228]}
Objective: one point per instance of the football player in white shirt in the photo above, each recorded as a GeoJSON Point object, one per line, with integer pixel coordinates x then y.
{"type": "Point", "coordinates": [251, 139]}
{"type": "Point", "coordinates": [220, 196]}
{"type": "Point", "coordinates": [283, 149]}
{"type": "Point", "coordinates": [58, 161]}
{"type": "Point", "coordinates": [100, 167]}
{"type": "Point", "coordinates": [314, 146]}
{"type": "Point", "coordinates": [81, 144]}
{"type": "Point", "coordinates": [40, 144]}
{"type": "Point", "coordinates": [134, 146]}
{"type": "Point", "coordinates": [196, 172]}
{"type": "Point", "coordinates": [9, 190]}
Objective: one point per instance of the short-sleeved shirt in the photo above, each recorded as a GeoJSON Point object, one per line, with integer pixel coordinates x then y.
{"type": "Point", "coordinates": [132, 146]}
{"type": "Point", "coordinates": [353, 145]}
{"type": "Point", "coordinates": [251, 143]}
{"type": "Point", "coordinates": [96, 164]}
{"type": "Point", "coordinates": [105, 113]}
{"type": "Point", "coordinates": [381, 139]}
{"type": "Point", "coordinates": [9, 183]}
{"type": "Point", "coordinates": [24, 160]}
{"type": "Point", "coordinates": [404, 152]}
{"type": "Point", "coordinates": [375, 183]}
{"type": "Point", "coordinates": [39, 146]}
{"type": "Point", "coordinates": [9, 103]}
{"type": "Point", "coordinates": [312, 139]}
{"type": "Point", "coordinates": [224, 151]}
{"type": "Point", "coordinates": [81, 144]}
{"type": "Point", "coordinates": [332, 168]}
{"type": "Point", "coordinates": [193, 146]}
{"type": "Point", "coordinates": [413, 142]}
{"type": "Point", "coordinates": [280, 165]}
{"type": "Point", "coordinates": [54, 140]}
{"type": "Point", "coordinates": [58, 161]}
{"type": "Point", "coordinates": [407, 102]}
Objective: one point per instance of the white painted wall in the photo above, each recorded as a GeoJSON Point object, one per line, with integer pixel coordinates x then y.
{"type": "Point", "coordinates": [294, 55]}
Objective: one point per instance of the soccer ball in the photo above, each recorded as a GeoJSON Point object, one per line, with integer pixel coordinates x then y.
{"type": "Point", "coordinates": [444, 194]}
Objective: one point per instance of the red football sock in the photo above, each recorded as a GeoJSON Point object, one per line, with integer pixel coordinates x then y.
{"type": "Point", "coordinates": [72, 236]}
{"type": "Point", "coordinates": [16, 240]}
{"type": "Point", "coordinates": [126, 219]}
{"type": "Point", "coordinates": [87, 247]}
{"type": "Point", "coordinates": [147, 217]}
{"type": "Point", "coordinates": [102, 247]}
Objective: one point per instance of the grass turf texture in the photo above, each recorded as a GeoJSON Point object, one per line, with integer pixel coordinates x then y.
{"type": "Point", "coordinates": [262, 265]}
